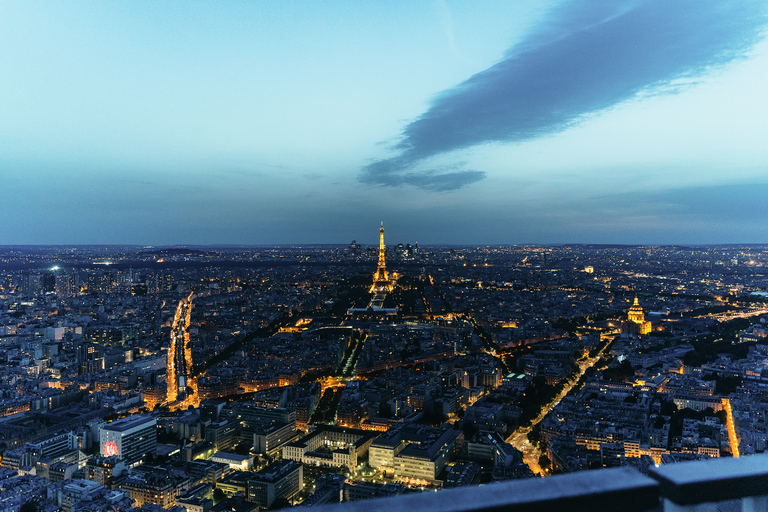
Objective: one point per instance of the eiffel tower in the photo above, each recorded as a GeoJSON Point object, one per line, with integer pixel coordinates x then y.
{"type": "Point", "coordinates": [381, 280]}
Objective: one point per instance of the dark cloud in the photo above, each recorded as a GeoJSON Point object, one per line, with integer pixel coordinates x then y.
{"type": "Point", "coordinates": [394, 172]}
{"type": "Point", "coordinates": [443, 181]}
{"type": "Point", "coordinates": [586, 57]}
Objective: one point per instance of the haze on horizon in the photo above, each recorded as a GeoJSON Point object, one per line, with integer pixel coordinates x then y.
{"type": "Point", "coordinates": [249, 122]}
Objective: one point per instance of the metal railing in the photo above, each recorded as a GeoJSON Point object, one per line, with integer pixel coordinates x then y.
{"type": "Point", "coordinates": [699, 486]}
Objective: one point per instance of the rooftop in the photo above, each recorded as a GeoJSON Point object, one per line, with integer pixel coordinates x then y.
{"type": "Point", "coordinates": [128, 423]}
{"type": "Point", "coordinates": [275, 471]}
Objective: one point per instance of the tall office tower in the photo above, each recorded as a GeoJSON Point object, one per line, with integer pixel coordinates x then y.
{"type": "Point", "coordinates": [48, 283]}
{"type": "Point", "coordinates": [32, 285]}
{"type": "Point", "coordinates": [65, 285]}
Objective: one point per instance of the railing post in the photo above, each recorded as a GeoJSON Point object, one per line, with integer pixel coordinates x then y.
{"type": "Point", "coordinates": [754, 504]}
{"type": "Point", "coordinates": [671, 506]}
{"type": "Point", "coordinates": [698, 486]}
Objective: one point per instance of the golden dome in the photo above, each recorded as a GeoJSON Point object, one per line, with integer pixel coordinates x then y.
{"type": "Point", "coordinates": [636, 313]}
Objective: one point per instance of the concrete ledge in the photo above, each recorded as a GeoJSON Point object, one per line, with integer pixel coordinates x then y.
{"type": "Point", "coordinates": [690, 483]}
{"type": "Point", "coordinates": [604, 490]}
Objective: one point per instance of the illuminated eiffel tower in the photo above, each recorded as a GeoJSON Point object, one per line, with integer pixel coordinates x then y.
{"type": "Point", "coordinates": [381, 281]}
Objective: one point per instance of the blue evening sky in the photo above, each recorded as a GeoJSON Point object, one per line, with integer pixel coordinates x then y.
{"type": "Point", "coordinates": [489, 122]}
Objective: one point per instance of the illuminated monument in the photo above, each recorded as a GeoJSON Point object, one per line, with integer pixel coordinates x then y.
{"type": "Point", "coordinates": [381, 281]}
{"type": "Point", "coordinates": [636, 313]}
{"type": "Point", "coordinates": [635, 323]}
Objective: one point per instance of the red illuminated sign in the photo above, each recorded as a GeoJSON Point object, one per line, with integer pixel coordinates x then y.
{"type": "Point", "coordinates": [109, 449]}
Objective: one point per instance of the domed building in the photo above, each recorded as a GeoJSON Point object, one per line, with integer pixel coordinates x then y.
{"type": "Point", "coordinates": [636, 313]}
{"type": "Point", "coordinates": [635, 323]}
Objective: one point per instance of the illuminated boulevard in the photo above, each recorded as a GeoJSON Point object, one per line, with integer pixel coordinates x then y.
{"type": "Point", "coordinates": [733, 439]}
{"type": "Point", "coordinates": [519, 438]}
{"type": "Point", "coordinates": [180, 382]}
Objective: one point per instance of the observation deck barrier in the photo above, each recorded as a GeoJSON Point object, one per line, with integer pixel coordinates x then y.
{"type": "Point", "coordinates": [724, 484]}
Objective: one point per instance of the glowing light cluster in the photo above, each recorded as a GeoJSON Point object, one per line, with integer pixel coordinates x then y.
{"type": "Point", "coordinates": [179, 351]}
{"type": "Point", "coordinates": [733, 439]}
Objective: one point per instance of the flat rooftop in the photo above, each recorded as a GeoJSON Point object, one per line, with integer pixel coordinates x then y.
{"type": "Point", "coordinates": [233, 457]}
{"type": "Point", "coordinates": [128, 423]}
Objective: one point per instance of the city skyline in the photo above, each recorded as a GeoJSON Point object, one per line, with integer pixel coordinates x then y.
{"type": "Point", "coordinates": [334, 374]}
{"type": "Point", "coordinates": [634, 122]}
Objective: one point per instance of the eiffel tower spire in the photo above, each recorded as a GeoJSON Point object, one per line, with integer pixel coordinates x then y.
{"type": "Point", "coordinates": [382, 252]}
{"type": "Point", "coordinates": [381, 281]}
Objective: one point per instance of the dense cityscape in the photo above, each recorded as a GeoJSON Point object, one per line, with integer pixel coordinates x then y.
{"type": "Point", "coordinates": [247, 378]}
{"type": "Point", "coordinates": [429, 256]}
